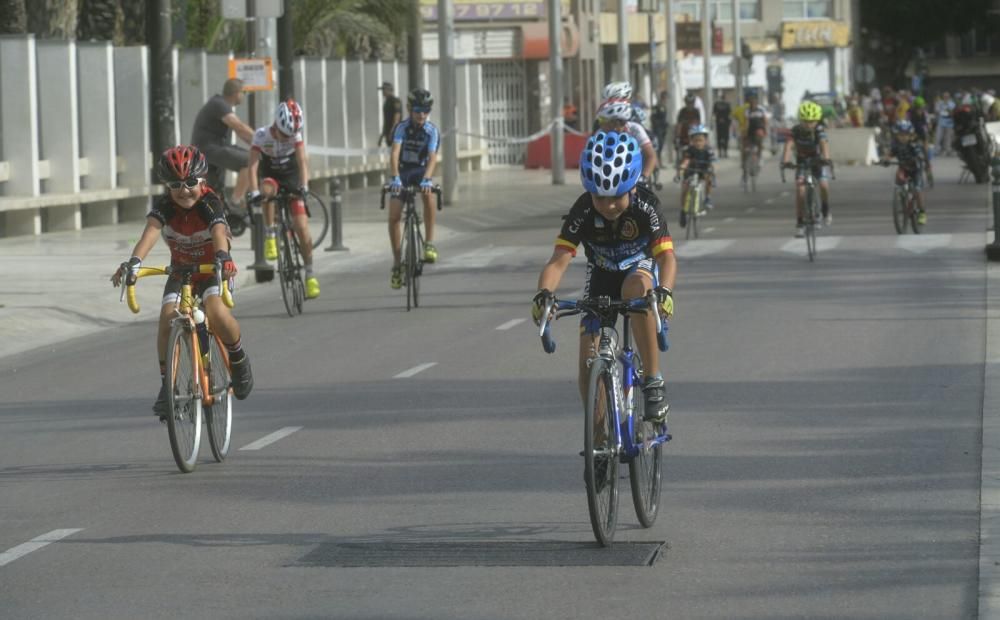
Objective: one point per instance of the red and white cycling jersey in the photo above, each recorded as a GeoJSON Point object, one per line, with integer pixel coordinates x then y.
{"type": "Point", "coordinates": [188, 232]}
{"type": "Point", "coordinates": [638, 132]}
{"type": "Point", "coordinates": [276, 154]}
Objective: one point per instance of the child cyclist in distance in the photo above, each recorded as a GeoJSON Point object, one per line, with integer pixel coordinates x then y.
{"type": "Point", "coordinates": [278, 161]}
{"type": "Point", "coordinates": [412, 161]}
{"type": "Point", "coordinates": [191, 220]}
{"type": "Point", "coordinates": [911, 153]}
{"type": "Point", "coordinates": [812, 149]}
{"type": "Point", "coordinates": [697, 156]}
{"type": "Point", "coordinates": [629, 253]}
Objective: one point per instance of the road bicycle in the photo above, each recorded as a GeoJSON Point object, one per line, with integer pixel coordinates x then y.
{"type": "Point", "coordinates": [614, 409]}
{"type": "Point", "coordinates": [694, 202]}
{"type": "Point", "coordinates": [198, 371]}
{"type": "Point", "coordinates": [904, 203]}
{"type": "Point", "coordinates": [290, 261]}
{"type": "Point", "coordinates": [412, 244]}
{"type": "Point", "coordinates": [811, 216]}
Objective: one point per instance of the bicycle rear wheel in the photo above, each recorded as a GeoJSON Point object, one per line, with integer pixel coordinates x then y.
{"type": "Point", "coordinates": [600, 463]}
{"type": "Point", "coordinates": [319, 218]}
{"type": "Point", "coordinates": [899, 211]}
{"type": "Point", "coordinates": [219, 415]}
{"type": "Point", "coordinates": [184, 419]}
{"type": "Point", "coordinates": [644, 468]}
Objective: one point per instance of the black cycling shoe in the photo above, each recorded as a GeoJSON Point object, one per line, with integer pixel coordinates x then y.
{"type": "Point", "coordinates": [656, 404]}
{"type": "Point", "coordinates": [162, 405]}
{"type": "Point", "coordinates": [242, 378]}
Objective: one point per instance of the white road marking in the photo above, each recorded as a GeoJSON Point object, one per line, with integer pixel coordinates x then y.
{"type": "Point", "coordinates": [35, 544]}
{"type": "Point", "coordinates": [769, 201]}
{"type": "Point", "coordinates": [751, 209]}
{"type": "Point", "coordinates": [710, 229]}
{"type": "Point", "coordinates": [702, 247]}
{"type": "Point", "coordinates": [267, 440]}
{"type": "Point", "coordinates": [477, 259]}
{"type": "Point", "coordinates": [920, 244]}
{"type": "Point", "coordinates": [798, 246]}
{"type": "Point", "coordinates": [785, 193]}
{"type": "Point", "coordinates": [728, 220]}
{"type": "Point", "coordinates": [511, 323]}
{"type": "Point", "coordinates": [409, 373]}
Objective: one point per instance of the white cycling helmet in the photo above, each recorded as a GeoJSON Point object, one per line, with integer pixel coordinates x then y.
{"type": "Point", "coordinates": [987, 100]}
{"type": "Point", "coordinates": [617, 90]}
{"type": "Point", "coordinates": [615, 109]}
{"type": "Point", "coordinates": [288, 117]}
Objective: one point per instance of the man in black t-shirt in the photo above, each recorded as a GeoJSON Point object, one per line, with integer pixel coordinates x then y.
{"type": "Point", "coordinates": [723, 120]}
{"type": "Point", "coordinates": [660, 122]}
{"type": "Point", "coordinates": [211, 134]}
{"type": "Point", "coordinates": [392, 113]}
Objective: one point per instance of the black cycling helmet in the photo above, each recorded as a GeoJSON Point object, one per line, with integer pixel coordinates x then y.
{"type": "Point", "coordinates": [419, 98]}
{"type": "Point", "coordinates": [689, 98]}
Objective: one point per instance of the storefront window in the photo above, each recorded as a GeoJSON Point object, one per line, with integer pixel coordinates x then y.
{"type": "Point", "coordinates": [807, 9]}
{"type": "Point", "coordinates": [722, 10]}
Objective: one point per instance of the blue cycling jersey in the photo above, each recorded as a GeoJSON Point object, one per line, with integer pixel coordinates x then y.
{"type": "Point", "coordinates": [417, 142]}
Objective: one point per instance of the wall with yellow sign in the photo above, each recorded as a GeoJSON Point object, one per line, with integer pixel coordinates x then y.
{"type": "Point", "coordinates": [815, 34]}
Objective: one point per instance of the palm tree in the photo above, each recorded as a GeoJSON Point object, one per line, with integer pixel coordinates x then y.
{"type": "Point", "coordinates": [356, 28]}
{"type": "Point", "coordinates": [13, 17]}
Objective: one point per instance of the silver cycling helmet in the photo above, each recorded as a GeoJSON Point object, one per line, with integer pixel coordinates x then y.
{"type": "Point", "coordinates": [617, 90]}
{"type": "Point", "coordinates": [615, 109]}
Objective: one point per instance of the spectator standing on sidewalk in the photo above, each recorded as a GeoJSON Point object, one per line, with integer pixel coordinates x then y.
{"type": "Point", "coordinates": [722, 111]}
{"type": "Point", "coordinates": [945, 125]}
{"type": "Point", "coordinates": [392, 113]}
{"type": "Point", "coordinates": [212, 130]}
{"type": "Point", "coordinates": [570, 113]}
{"type": "Point", "coordinates": [658, 117]}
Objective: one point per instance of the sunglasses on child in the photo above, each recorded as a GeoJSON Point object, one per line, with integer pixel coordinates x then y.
{"type": "Point", "coordinates": [421, 109]}
{"type": "Point", "coordinates": [188, 183]}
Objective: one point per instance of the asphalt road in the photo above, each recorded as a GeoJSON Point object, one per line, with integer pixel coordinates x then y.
{"type": "Point", "coordinates": [825, 461]}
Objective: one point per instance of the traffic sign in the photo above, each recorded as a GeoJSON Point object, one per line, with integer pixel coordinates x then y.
{"type": "Point", "coordinates": [256, 73]}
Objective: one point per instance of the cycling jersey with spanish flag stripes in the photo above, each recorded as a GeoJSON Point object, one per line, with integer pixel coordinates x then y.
{"type": "Point", "coordinates": [616, 245]}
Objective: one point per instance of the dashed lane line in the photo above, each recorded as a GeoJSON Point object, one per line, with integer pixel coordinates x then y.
{"type": "Point", "coordinates": [769, 201]}
{"type": "Point", "coordinates": [751, 209]}
{"type": "Point", "coordinates": [710, 229]}
{"type": "Point", "coordinates": [406, 374]}
{"type": "Point", "coordinates": [729, 220]}
{"type": "Point", "coordinates": [267, 440]}
{"type": "Point", "coordinates": [35, 544]}
{"type": "Point", "coordinates": [511, 323]}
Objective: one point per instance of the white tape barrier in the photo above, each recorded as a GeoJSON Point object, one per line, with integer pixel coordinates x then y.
{"type": "Point", "coordinates": [351, 152]}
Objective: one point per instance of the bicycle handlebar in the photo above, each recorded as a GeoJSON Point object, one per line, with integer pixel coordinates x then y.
{"type": "Point", "coordinates": [409, 189]}
{"type": "Point", "coordinates": [601, 307]}
{"type": "Point", "coordinates": [129, 290]}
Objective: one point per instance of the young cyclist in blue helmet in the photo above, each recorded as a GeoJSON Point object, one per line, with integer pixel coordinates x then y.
{"type": "Point", "coordinates": [629, 253]}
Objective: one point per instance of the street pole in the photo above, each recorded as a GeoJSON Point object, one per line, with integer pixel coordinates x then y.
{"type": "Point", "coordinates": [623, 60]}
{"type": "Point", "coordinates": [706, 54]}
{"type": "Point", "coordinates": [737, 57]}
{"type": "Point", "coordinates": [446, 74]}
{"type": "Point", "coordinates": [672, 80]}
{"type": "Point", "coordinates": [414, 46]}
{"type": "Point", "coordinates": [556, 90]}
{"type": "Point", "coordinates": [651, 30]}
{"type": "Point", "coordinates": [263, 272]}
{"type": "Point", "coordinates": [161, 68]}
{"type": "Point", "coordinates": [286, 72]}
{"type": "Point", "coordinates": [251, 34]}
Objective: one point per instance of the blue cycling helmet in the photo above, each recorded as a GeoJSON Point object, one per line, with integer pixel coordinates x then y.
{"type": "Point", "coordinates": [750, 91]}
{"type": "Point", "coordinates": [904, 126]}
{"type": "Point", "coordinates": [610, 164]}
{"type": "Point", "coordinates": [698, 129]}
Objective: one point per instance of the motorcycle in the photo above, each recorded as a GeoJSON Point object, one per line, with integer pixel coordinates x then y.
{"type": "Point", "coordinates": [972, 142]}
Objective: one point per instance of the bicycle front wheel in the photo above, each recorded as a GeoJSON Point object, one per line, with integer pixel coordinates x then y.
{"type": "Point", "coordinates": [899, 211]}
{"type": "Point", "coordinates": [410, 258]}
{"type": "Point", "coordinates": [287, 271]}
{"type": "Point", "coordinates": [184, 419]}
{"type": "Point", "coordinates": [219, 415]}
{"type": "Point", "coordinates": [319, 218]}
{"type": "Point", "coordinates": [811, 219]}
{"type": "Point", "coordinates": [644, 468]}
{"type": "Point", "coordinates": [914, 214]}
{"type": "Point", "coordinates": [600, 462]}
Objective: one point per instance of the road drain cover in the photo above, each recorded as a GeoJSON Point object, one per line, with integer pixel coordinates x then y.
{"type": "Point", "coordinates": [432, 554]}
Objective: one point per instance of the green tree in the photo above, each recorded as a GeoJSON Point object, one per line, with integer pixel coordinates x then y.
{"type": "Point", "coordinates": [353, 28]}
{"type": "Point", "coordinates": [13, 17]}
{"type": "Point", "coordinates": [52, 19]}
{"type": "Point", "coordinates": [100, 20]}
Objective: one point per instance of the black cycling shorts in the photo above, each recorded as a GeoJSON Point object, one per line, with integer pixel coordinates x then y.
{"type": "Point", "coordinates": [609, 283]}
